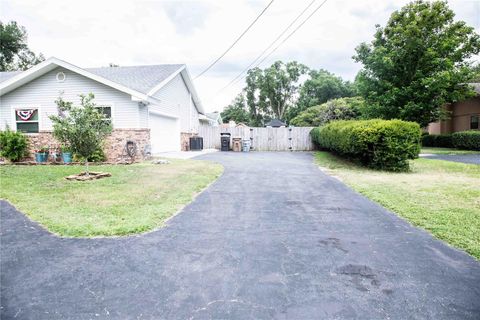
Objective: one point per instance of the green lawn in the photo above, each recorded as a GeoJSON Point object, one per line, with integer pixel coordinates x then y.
{"type": "Point", "coordinates": [440, 196]}
{"type": "Point", "coordinates": [447, 151]}
{"type": "Point", "coordinates": [137, 198]}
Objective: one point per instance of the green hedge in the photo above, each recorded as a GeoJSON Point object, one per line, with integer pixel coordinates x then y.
{"type": "Point", "coordinates": [379, 144]}
{"type": "Point", "coordinates": [437, 140]}
{"type": "Point", "coordinates": [469, 140]}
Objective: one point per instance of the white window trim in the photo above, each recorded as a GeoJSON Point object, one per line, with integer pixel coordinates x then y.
{"type": "Point", "coordinates": [27, 106]}
{"type": "Point", "coordinates": [99, 104]}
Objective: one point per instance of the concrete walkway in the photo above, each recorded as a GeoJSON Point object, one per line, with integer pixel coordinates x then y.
{"type": "Point", "coordinates": [184, 154]}
{"type": "Point", "coordinates": [273, 238]}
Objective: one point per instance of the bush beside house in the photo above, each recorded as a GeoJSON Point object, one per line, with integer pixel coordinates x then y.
{"type": "Point", "coordinates": [469, 140]}
{"type": "Point", "coordinates": [13, 145]}
{"type": "Point", "coordinates": [437, 140]}
{"type": "Point", "coordinates": [379, 144]}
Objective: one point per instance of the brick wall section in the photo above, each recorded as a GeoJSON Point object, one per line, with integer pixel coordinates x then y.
{"type": "Point", "coordinates": [185, 140]}
{"type": "Point", "coordinates": [114, 145]}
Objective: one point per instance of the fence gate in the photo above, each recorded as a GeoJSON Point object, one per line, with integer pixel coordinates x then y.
{"type": "Point", "coordinates": [262, 139]}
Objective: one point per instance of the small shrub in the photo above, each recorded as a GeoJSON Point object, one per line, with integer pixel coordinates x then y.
{"type": "Point", "coordinates": [469, 140]}
{"type": "Point", "coordinates": [437, 140]}
{"type": "Point", "coordinates": [84, 128]}
{"type": "Point", "coordinates": [97, 156]}
{"type": "Point", "coordinates": [379, 144]}
{"type": "Point", "coordinates": [13, 145]}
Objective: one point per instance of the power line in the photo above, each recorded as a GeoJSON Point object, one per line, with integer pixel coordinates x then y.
{"type": "Point", "coordinates": [235, 42]}
{"type": "Point", "coordinates": [282, 42]}
{"type": "Point", "coordinates": [269, 46]}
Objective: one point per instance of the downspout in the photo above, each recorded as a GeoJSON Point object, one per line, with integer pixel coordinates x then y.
{"type": "Point", "coordinates": [190, 112]}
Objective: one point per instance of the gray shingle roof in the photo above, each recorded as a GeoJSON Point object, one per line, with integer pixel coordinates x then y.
{"type": "Point", "coordinates": [275, 123]}
{"type": "Point", "coordinates": [140, 78]}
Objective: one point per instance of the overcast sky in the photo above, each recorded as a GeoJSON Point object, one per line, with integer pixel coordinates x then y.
{"type": "Point", "coordinates": [135, 32]}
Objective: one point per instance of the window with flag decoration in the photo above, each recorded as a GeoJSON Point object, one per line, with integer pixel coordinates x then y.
{"type": "Point", "coordinates": [26, 120]}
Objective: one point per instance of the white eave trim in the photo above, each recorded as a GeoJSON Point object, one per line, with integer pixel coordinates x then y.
{"type": "Point", "coordinates": [36, 71]}
{"type": "Point", "coordinates": [188, 82]}
{"type": "Point", "coordinates": [163, 114]}
{"type": "Point", "coordinates": [51, 63]}
{"type": "Point", "coordinates": [164, 82]}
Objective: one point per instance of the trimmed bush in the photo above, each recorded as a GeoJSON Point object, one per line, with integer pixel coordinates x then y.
{"type": "Point", "coordinates": [437, 140]}
{"type": "Point", "coordinates": [379, 144]}
{"type": "Point", "coordinates": [469, 140]}
{"type": "Point", "coordinates": [13, 145]}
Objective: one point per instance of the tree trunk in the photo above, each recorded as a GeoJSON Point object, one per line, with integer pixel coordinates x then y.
{"type": "Point", "coordinates": [86, 168]}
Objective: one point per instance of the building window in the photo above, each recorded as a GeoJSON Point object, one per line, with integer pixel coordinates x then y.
{"type": "Point", "coordinates": [106, 110]}
{"type": "Point", "coordinates": [474, 122]}
{"type": "Point", "coordinates": [26, 120]}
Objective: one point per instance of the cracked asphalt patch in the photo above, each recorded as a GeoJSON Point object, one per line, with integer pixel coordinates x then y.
{"type": "Point", "coordinates": [273, 238]}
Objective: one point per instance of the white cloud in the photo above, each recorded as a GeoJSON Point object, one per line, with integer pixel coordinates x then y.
{"type": "Point", "coordinates": [128, 32]}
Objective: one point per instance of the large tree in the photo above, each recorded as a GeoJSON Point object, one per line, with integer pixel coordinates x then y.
{"type": "Point", "coordinates": [417, 63]}
{"type": "Point", "coordinates": [237, 110]}
{"type": "Point", "coordinates": [271, 92]}
{"type": "Point", "coordinates": [321, 87]}
{"type": "Point", "coordinates": [14, 51]}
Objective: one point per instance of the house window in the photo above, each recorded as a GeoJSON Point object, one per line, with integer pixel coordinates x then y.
{"type": "Point", "coordinates": [474, 122]}
{"type": "Point", "coordinates": [26, 120]}
{"type": "Point", "coordinates": [106, 111]}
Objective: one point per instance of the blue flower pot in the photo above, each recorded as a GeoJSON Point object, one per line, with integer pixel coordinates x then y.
{"type": "Point", "coordinates": [67, 157]}
{"type": "Point", "coordinates": [41, 157]}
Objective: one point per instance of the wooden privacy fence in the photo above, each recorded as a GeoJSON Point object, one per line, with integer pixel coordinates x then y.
{"type": "Point", "coordinates": [262, 139]}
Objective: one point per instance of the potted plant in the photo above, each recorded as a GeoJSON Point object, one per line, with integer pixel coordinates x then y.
{"type": "Point", "coordinates": [66, 154]}
{"type": "Point", "coordinates": [41, 154]}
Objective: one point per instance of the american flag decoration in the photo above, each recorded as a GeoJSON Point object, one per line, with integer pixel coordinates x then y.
{"type": "Point", "coordinates": [25, 115]}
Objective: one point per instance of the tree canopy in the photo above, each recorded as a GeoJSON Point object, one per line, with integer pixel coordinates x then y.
{"type": "Point", "coordinates": [417, 63]}
{"type": "Point", "coordinates": [14, 51]}
{"type": "Point", "coordinates": [270, 92]}
{"type": "Point", "coordinates": [335, 109]}
{"type": "Point", "coordinates": [321, 87]}
{"type": "Point", "coordinates": [237, 110]}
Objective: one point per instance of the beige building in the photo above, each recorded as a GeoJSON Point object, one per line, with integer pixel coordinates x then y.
{"type": "Point", "coordinates": [465, 115]}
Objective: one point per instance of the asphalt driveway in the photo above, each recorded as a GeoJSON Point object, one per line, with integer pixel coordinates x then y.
{"type": "Point", "coordinates": [273, 238]}
{"type": "Point", "coordinates": [464, 158]}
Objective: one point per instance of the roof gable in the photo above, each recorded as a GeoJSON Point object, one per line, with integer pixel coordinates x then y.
{"type": "Point", "coordinates": [141, 82]}
{"type": "Point", "coordinates": [140, 78]}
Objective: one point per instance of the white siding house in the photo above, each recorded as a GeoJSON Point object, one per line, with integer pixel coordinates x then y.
{"type": "Point", "coordinates": [160, 99]}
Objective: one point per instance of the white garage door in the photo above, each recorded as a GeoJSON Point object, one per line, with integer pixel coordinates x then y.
{"type": "Point", "coordinates": [164, 133]}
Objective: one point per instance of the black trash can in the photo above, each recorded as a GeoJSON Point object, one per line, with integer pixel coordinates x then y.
{"type": "Point", "coordinates": [196, 143]}
{"type": "Point", "coordinates": [225, 141]}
